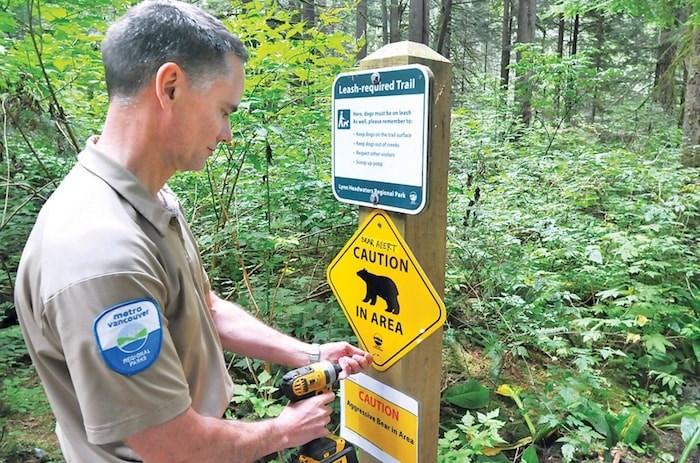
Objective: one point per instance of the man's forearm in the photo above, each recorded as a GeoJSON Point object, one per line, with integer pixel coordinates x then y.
{"type": "Point", "coordinates": [242, 333]}
{"type": "Point", "coordinates": [206, 439]}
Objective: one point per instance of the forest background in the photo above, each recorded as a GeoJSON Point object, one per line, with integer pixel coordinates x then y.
{"type": "Point", "coordinates": [573, 272]}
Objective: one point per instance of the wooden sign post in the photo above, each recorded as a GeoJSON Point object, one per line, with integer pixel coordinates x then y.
{"type": "Point", "coordinates": [418, 374]}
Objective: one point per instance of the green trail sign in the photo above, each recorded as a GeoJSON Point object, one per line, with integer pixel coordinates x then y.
{"type": "Point", "coordinates": [380, 138]}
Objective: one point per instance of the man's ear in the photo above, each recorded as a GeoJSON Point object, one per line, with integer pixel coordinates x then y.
{"type": "Point", "coordinates": [168, 83]}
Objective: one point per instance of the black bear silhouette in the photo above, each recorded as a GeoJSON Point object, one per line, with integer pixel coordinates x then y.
{"type": "Point", "coordinates": [384, 287]}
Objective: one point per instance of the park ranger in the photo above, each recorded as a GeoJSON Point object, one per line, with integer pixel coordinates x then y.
{"type": "Point", "coordinates": [117, 312]}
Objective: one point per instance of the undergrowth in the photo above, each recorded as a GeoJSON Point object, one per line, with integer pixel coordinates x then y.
{"type": "Point", "coordinates": [574, 267]}
{"type": "Point", "coordinates": [573, 273]}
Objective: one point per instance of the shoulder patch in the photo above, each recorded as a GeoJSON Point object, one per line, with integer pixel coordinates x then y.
{"type": "Point", "coordinates": [129, 335]}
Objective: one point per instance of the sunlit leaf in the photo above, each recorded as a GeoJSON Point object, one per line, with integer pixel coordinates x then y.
{"type": "Point", "coordinates": [506, 390]}
{"type": "Point", "coordinates": [629, 425]}
{"type": "Point", "coordinates": [595, 256]}
{"type": "Point", "coordinates": [690, 429]}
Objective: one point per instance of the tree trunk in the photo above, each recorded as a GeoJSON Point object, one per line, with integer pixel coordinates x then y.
{"type": "Point", "coordinates": [465, 63]}
{"type": "Point", "coordinates": [506, 32]}
{"type": "Point", "coordinates": [570, 92]}
{"type": "Point", "coordinates": [322, 5]}
{"type": "Point", "coordinates": [690, 150]}
{"type": "Point", "coordinates": [574, 35]}
{"type": "Point", "coordinates": [684, 80]}
{"type": "Point", "coordinates": [385, 23]}
{"type": "Point", "coordinates": [525, 35]}
{"type": "Point", "coordinates": [418, 22]}
{"type": "Point", "coordinates": [308, 13]}
{"type": "Point", "coordinates": [561, 29]}
{"type": "Point", "coordinates": [448, 44]}
{"type": "Point", "coordinates": [361, 28]}
{"type": "Point", "coordinates": [596, 105]}
{"type": "Point", "coordinates": [664, 75]}
{"type": "Point", "coordinates": [443, 31]}
{"type": "Point", "coordinates": [394, 21]}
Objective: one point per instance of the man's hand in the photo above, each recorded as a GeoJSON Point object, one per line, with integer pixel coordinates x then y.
{"type": "Point", "coordinates": [306, 419]}
{"type": "Point", "coordinates": [350, 358]}
{"type": "Point", "coordinates": [191, 437]}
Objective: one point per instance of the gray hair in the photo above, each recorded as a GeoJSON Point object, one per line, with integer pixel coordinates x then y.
{"type": "Point", "coordinates": [159, 31]}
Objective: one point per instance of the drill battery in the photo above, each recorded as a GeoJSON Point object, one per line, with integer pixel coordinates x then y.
{"type": "Point", "coordinates": [329, 449]}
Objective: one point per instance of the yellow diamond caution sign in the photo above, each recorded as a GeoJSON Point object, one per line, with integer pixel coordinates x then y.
{"type": "Point", "coordinates": [387, 298]}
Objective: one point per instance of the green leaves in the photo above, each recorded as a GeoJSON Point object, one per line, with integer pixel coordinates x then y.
{"type": "Point", "coordinates": [258, 396]}
{"type": "Point", "coordinates": [469, 395]}
{"type": "Point", "coordinates": [576, 264]}
{"type": "Point", "coordinates": [586, 258]}
{"type": "Point", "coordinates": [530, 455]}
{"type": "Point", "coordinates": [472, 437]}
{"type": "Point", "coordinates": [656, 342]}
{"type": "Point", "coordinates": [627, 425]}
{"type": "Point", "coordinates": [690, 432]}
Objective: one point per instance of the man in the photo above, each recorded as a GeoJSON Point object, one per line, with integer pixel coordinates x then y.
{"type": "Point", "coordinates": [117, 312]}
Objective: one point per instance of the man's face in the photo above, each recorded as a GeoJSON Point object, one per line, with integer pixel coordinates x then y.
{"type": "Point", "coordinates": [201, 118]}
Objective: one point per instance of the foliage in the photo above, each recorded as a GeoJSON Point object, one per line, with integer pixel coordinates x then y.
{"type": "Point", "coordinates": [267, 191]}
{"type": "Point", "coordinates": [469, 395]}
{"type": "Point", "coordinates": [20, 395]}
{"type": "Point", "coordinates": [259, 395]}
{"type": "Point", "coordinates": [690, 430]}
{"type": "Point", "coordinates": [584, 256]}
{"type": "Point", "coordinates": [468, 439]}
{"type": "Point", "coordinates": [51, 73]}
{"type": "Point", "coordinates": [265, 234]}
{"type": "Point", "coordinates": [13, 352]}
{"type": "Point", "coordinates": [688, 420]}
{"type": "Point", "coordinates": [573, 264]}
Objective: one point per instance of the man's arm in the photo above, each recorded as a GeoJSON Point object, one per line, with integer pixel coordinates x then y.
{"type": "Point", "coordinates": [191, 437]}
{"type": "Point", "coordinates": [244, 334]}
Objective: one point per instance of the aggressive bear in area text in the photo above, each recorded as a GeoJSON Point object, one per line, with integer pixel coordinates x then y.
{"type": "Point", "coordinates": [383, 287]}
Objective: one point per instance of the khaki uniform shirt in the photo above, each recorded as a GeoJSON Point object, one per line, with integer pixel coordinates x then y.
{"type": "Point", "coordinates": [110, 294]}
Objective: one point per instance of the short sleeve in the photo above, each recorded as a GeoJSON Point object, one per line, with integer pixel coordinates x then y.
{"type": "Point", "coordinates": [118, 402]}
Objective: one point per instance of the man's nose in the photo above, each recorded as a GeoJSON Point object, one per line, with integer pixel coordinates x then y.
{"type": "Point", "coordinates": [225, 136]}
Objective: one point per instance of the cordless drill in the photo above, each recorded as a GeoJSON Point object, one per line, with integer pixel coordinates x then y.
{"type": "Point", "coordinates": [309, 381]}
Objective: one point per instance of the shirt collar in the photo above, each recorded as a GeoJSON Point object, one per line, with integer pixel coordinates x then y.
{"type": "Point", "coordinates": [126, 185]}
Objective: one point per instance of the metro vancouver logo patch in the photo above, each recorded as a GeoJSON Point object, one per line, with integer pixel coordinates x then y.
{"type": "Point", "coordinates": [129, 335]}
